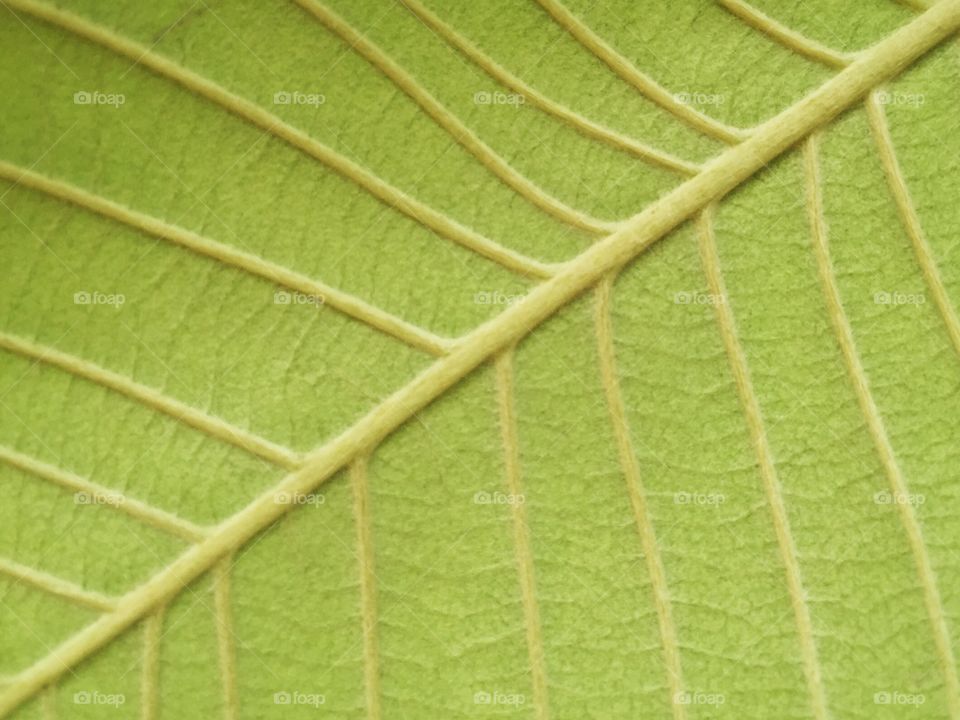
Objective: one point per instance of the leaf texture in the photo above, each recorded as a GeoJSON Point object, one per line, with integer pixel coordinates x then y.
{"type": "Point", "coordinates": [428, 359]}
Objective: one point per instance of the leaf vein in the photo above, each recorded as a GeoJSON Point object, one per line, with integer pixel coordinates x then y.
{"type": "Point", "coordinates": [885, 59]}
{"type": "Point", "coordinates": [225, 646]}
{"type": "Point", "coordinates": [876, 426]}
{"type": "Point", "coordinates": [767, 466]}
{"type": "Point", "coordinates": [160, 519]}
{"type": "Point", "coordinates": [195, 418]}
{"type": "Point", "coordinates": [368, 587]}
{"type": "Point", "coordinates": [630, 467]}
{"type": "Point", "coordinates": [521, 533]}
{"type": "Point", "coordinates": [579, 122]}
{"type": "Point", "coordinates": [252, 113]}
{"type": "Point", "coordinates": [630, 73]}
{"type": "Point", "coordinates": [57, 586]}
{"type": "Point", "coordinates": [789, 38]}
{"type": "Point", "coordinates": [910, 218]}
{"type": "Point", "coordinates": [457, 129]}
{"type": "Point", "coordinates": [344, 302]}
{"type": "Point", "coordinates": [150, 672]}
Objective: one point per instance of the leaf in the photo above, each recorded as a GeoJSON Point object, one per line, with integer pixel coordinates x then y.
{"type": "Point", "coordinates": [438, 359]}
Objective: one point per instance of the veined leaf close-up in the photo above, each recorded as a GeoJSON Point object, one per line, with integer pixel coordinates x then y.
{"type": "Point", "coordinates": [548, 359]}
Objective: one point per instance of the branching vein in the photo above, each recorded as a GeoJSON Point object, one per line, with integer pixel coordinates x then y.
{"type": "Point", "coordinates": [771, 482]}
{"type": "Point", "coordinates": [225, 649]}
{"type": "Point", "coordinates": [786, 36]}
{"type": "Point", "coordinates": [268, 122]}
{"type": "Point", "coordinates": [57, 586]}
{"type": "Point", "coordinates": [635, 491]}
{"type": "Point", "coordinates": [363, 517]}
{"type": "Point", "coordinates": [878, 431]}
{"type": "Point", "coordinates": [104, 496]}
{"type": "Point", "coordinates": [213, 426]}
{"type": "Point", "coordinates": [346, 303]}
{"type": "Point", "coordinates": [635, 77]}
{"type": "Point", "coordinates": [728, 171]}
{"type": "Point", "coordinates": [525, 187]}
{"type": "Point", "coordinates": [533, 96]}
{"type": "Point", "coordinates": [150, 677]}
{"type": "Point", "coordinates": [521, 534]}
{"type": "Point", "coordinates": [910, 219]}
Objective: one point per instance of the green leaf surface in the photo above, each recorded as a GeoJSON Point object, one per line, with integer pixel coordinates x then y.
{"type": "Point", "coordinates": [429, 359]}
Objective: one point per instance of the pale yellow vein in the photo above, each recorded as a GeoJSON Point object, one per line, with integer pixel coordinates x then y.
{"type": "Point", "coordinates": [154, 399]}
{"type": "Point", "coordinates": [150, 672]}
{"type": "Point", "coordinates": [630, 73]}
{"type": "Point", "coordinates": [799, 43]}
{"type": "Point", "coordinates": [531, 95]}
{"type": "Point", "coordinates": [348, 304]}
{"type": "Point", "coordinates": [225, 648]}
{"type": "Point", "coordinates": [510, 176]}
{"type": "Point", "coordinates": [273, 124]}
{"type": "Point", "coordinates": [363, 517]}
{"type": "Point", "coordinates": [57, 586]}
{"type": "Point", "coordinates": [768, 472]}
{"type": "Point", "coordinates": [521, 533]}
{"type": "Point", "coordinates": [48, 702]}
{"type": "Point", "coordinates": [878, 432]}
{"type": "Point", "coordinates": [724, 174]}
{"type": "Point", "coordinates": [606, 353]}
{"type": "Point", "coordinates": [910, 219]}
{"type": "Point", "coordinates": [102, 495]}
